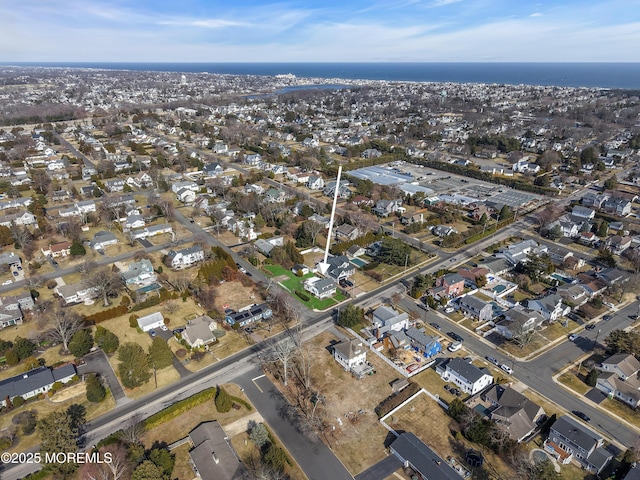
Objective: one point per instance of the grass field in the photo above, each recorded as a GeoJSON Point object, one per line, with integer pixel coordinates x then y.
{"type": "Point", "coordinates": [571, 380]}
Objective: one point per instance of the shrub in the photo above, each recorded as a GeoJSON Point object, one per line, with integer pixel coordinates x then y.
{"type": "Point", "coordinates": [11, 357]}
{"type": "Point", "coordinates": [54, 388]}
{"type": "Point", "coordinates": [95, 390]}
{"type": "Point", "coordinates": [181, 353]}
{"type": "Point", "coordinates": [133, 321]}
{"type": "Point", "coordinates": [394, 400]}
{"type": "Point", "coordinates": [106, 340]}
{"type": "Point", "coordinates": [34, 293]}
{"type": "Point", "coordinates": [107, 314]}
{"type": "Point", "coordinates": [51, 284]}
{"type": "Point", "coordinates": [179, 408]}
{"type": "Point", "coordinates": [302, 295]}
{"type": "Point", "coordinates": [276, 457]}
{"type": "Point", "coordinates": [222, 401]}
{"type": "Point", "coordinates": [23, 347]}
{"type": "Point", "coordinates": [126, 301]}
{"type": "Point", "coordinates": [18, 401]}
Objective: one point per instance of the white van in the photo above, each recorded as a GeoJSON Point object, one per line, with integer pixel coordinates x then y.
{"type": "Point", "coordinates": [455, 346]}
{"type": "Point", "coordinates": [506, 368]}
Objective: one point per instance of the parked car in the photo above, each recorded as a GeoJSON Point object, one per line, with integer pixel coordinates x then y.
{"type": "Point", "coordinates": [581, 415]}
{"type": "Point", "coordinates": [455, 346]}
{"type": "Point", "coordinates": [573, 337]}
{"type": "Point", "coordinates": [152, 333]}
{"type": "Point", "coordinates": [455, 336]}
{"type": "Point", "coordinates": [449, 310]}
{"type": "Point", "coordinates": [606, 318]}
{"type": "Point", "coordinates": [493, 360]}
{"type": "Point", "coordinates": [422, 306]}
{"type": "Point", "coordinates": [15, 274]}
{"type": "Point", "coordinates": [506, 368]}
{"type": "Point", "coordinates": [590, 326]}
{"type": "Point", "coordinates": [435, 325]}
{"type": "Point", "coordinates": [163, 328]}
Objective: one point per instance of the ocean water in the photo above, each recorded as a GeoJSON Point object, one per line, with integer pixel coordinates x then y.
{"type": "Point", "coordinates": [599, 75]}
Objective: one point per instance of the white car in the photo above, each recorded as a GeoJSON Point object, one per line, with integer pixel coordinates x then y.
{"type": "Point", "coordinates": [7, 282]}
{"type": "Point", "coordinates": [449, 310]}
{"type": "Point", "coordinates": [506, 368]}
{"type": "Point", "coordinates": [455, 346]}
{"type": "Point", "coordinates": [163, 328]}
{"type": "Point", "coordinates": [573, 337]}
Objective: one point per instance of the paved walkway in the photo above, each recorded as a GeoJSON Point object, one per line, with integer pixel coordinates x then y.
{"type": "Point", "coordinates": [241, 426]}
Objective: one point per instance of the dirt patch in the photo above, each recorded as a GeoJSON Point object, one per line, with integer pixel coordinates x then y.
{"type": "Point", "coordinates": [235, 295]}
{"type": "Point", "coordinates": [356, 436]}
{"type": "Point", "coordinates": [69, 392]}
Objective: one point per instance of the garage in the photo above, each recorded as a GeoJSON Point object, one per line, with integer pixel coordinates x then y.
{"type": "Point", "coordinates": [149, 322]}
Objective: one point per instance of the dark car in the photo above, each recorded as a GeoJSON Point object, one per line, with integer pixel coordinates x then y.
{"type": "Point", "coordinates": [436, 326]}
{"type": "Point", "coordinates": [455, 336]}
{"type": "Point", "coordinates": [606, 318]}
{"type": "Point", "coordinates": [591, 326]}
{"type": "Point", "coordinates": [493, 360]}
{"type": "Point", "coordinates": [581, 415]}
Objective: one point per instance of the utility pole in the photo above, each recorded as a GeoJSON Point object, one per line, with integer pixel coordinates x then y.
{"type": "Point", "coordinates": [406, 261]}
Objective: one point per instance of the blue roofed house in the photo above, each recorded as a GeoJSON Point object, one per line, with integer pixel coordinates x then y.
{"type": "Point", "coordinates": [571, 440]}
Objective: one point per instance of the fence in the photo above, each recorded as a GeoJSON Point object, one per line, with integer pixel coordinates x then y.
{"type": "Point", "coordinates": [422, 390]}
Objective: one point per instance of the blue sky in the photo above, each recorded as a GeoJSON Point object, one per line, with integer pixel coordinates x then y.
{"type": "Point", "coordinates": [320, 31]}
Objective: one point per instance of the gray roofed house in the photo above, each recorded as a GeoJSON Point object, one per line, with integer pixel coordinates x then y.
{"type": "Point", "coordinates": [340, 267]}
{"type": "Point", "coordinates": [75, 292]}
{"type": "Point", "coordinates": [386, 319]}
{"type": "Point", "coordinates": [350, 353]}
{"type": "Point", "coordinates": [199, 331]}
{"type": "Point", "coordinates": [36, 381]}
{"type": "Point", "coordinates": [212, 456]}
{"type": "Point", "coordinates": [429, 345]}
{"type": "Point", "coordinates": [184, 257]}
{"type": "Point", "coordinates": [9, 258]}
{"type": "Point", "coordinates": [619, 377]}
{"type": "Point", "coordinates": [320, 287]}
{"type": "Point", "coordinates": [139, 273]}
{"type": "Point", "coordinates": [513, 410]}
{"type": "Point", "coordinates": [469, 378]}
{"type": "Point", "coordinates": [151, 321]}
{"type": "Point", "coordinates": [264, 247]}
{"type": "Point", "coordinates": [497, 266]}
{"type": "Point", "coordinates": [103, 239]}
{"type": "Point", "coordinates": [476, 307]}
{"type": "Point", "coordinates": [569, 439]}
{"type": "Point", "coordinates": [414, 453]}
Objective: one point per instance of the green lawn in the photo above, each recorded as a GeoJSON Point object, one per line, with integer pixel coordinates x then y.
{"type": "Point", "coordinates": [294, 283]}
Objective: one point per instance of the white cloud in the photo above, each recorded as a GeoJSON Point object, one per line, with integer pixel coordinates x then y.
{"type": "Point", "coordinates": [208, 23]}
{"type": "Point", "coordinates": [537, 14]}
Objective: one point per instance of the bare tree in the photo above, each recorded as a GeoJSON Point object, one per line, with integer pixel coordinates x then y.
{"type": "Point", "coordinates": [166, 207]}
{"type": "Point", "coordinates": [104, 281]}
{"type": "Point", "coordinates": [111, 208]}
{"type": "Point", "coordinates": [62, 325]}
{"type": "Point", "coordinates": [171, 306]}
{"type": "Point", "coordinates": [283, 352]}
{"type": "Point", "coordinates": [132, 433]}
{"type": "Point", "coordinates": [21, 235]}
{"type": "Point", "coordinates": [181, 282]}
{"type": "Point", "coordinates": [521, 335]}
{"type": "Point", "coordinates": [118, 468]}
{"type": "Point", "coordinates": [314, 228]}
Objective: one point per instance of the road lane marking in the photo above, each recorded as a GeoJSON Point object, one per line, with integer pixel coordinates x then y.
{"type": "Point", "coordinates": [256, 384]}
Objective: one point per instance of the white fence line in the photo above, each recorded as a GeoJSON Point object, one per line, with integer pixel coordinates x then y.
{"type": "Point", "coordinates": [422, 390]}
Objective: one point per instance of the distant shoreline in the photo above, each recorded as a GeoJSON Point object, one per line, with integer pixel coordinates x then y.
{"type": "Point", "coordinates": [588, 75]}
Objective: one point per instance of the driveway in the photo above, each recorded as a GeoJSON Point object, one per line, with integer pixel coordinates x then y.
{"type": "Point", "coordinates": [382, 469]}
{"type": "Point", "coordinates": [145, 243]}
{"type": "Point", "coordinates": [97, 362]}
{"type": "Point", "coordinates": [596, 396]}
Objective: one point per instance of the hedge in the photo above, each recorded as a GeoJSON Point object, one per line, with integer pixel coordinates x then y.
{"type": "Point", "coordinates": [107, 314]}
{"type": "Point", "coordinates": [185, 405]}
{"type": "Point", "coordinates": [396, 399]}
{"type": "Point", "coordinates": [302, 295]}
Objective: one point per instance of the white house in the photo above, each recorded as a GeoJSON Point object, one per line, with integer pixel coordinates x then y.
{"type": "Point", "coordinates": [103, 239]}
{"type": "Point", "coordinates": [177, 186]}
{"type": "Point", "coordinates": [150, 322]}
{"type": "Point", "coordinates": [151, 231]}
{"type": "Point", "coordinates": [21, 218]}
{"type": "Point", "coordinates": [387, 319]}
{"type": "Point", "coordinates": [550, 307]}
{"type": "Point", "coordinates": [350, 353]}
{"type": "Point", "coordinates": [75, 293]}
{"type": "Point", "coordinates": [34, 382]}
{"type": "Point", "coordinates": [469, 378]}
{"type": "Point", "coordinates": [185, 257]}
{"type": "Point", "coordinates": [320, 287]}
{"type": "Point", "coordinates": [186, 196]}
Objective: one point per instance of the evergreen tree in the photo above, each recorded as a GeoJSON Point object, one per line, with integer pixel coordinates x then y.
{"type": "Point", "coordinates": [147, 470]}
{"type": "Point", "coordinates": [134, 368]}
{"type": "Point", "coordinates": [58, 434]}
{"type": "Point", "coordinates": [23, 347]}
{"type": "Point", "coordinates": [77, 249]}
{"type": "Point", "coordinates": [106, 340]}
{"type": "Point", "coordinates": [160, 354]}
{"type": "Point", "coordinates": [592, 377]}
{"type": "Point", "coordinates": [95, 390]}
{"type": "Point", "coordinates": [259, 435]}
{"type": "Point", "coordinates": [163, 459]}
{"type": "Point", "coordinates": [222, 400]}
{"type": "Point", "coordinates": [81, 343]}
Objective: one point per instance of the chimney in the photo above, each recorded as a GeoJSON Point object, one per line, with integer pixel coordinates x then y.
{"type": "Point", "coordinates": [215, 458]}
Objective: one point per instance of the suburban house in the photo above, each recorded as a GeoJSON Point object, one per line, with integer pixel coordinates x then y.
{"type": "Point", "coordinates": [340, 267]}
{"type": "Point", "coordinates": [415, 454]}
{"type": "Point", "coordinates": [141, 180]}
{"type": "Point", "coordinates": [21, 218]}
{"type": "Point", "coordinates": [550, 307]}
{"type": "Point", "coordinates": [428, 345]}
{"type": "Point", "coordinates": [618, 244]}
{"type": "Point", "coordinates": [10, 258]}
{"type": "Point", "coordinates": [103, 239]}
{"type": "Point", "coordinates": [189, 185]}
{"type": "Point", "coordinates": [212, 169]}
{"type": "Point", "coordinates": [450, 285]}
{"type": "Point", "coordinates": [114, 185]}
{"type": "Point", "coordinates": [300, 269]}
{"type": "Point", "coordinates": [61, 249]}
{"type": "Point", "coordinates": [346, 232]}
{"type": "Point", "coordinates": [184, 258]}
{"type": "Point", "coordinates": [199, 331]}
{"type": "Point", "coordinates": [619, 378]}
{"type": "Point", "coordinates": [469, 378]}
{"type": "Point", "coordinates": [355, 251]}
{"type": "Point", "coordinates": [518, 252]}
{"type": "Point", "coordinates": [417, 217]}
{"type": "Point", "coordinates": [212, 456]}
{"type": "Point", "coordinates": [571, 440]}
{"type": "Point", "coordinates": [75, 293]}
{"type": "Point", "coordinates": [12, 308]}
{"type": "Point", "coordinates": [474, 307]}
{"type": "Point", "coordinates": [151, 321]}
{"type": "Point", "coordinates": [517, 321]}
{"type": "Point", "coordinates": [34, 382]}
{"type": "Point", "coordinates": [350, 353]}
{"type": "Point", "coordinates": [387, 319]}
{"type": "Point", "coordinates": [513, 410]}
{"type": "Point", "coordinates": [186, 195]}
{"type": "Point", "coordinates": [343, 190]}
{"type": "Point", "coordinates": [315, 182]}
{"type": "Point", "coordinates": [384, 208]}
{"type": "Point", "coordinates": [583, 214]}
{"type": "Point", "coordinates": [133, 220]}
{"type": "Point", "coordinates": [320, 287]}
{"type": "Point", "coordinates": [151, 231]}
{"type": "Point", "coordinates": [250, 314]}
{"type": "Point", "coordinates": [138, 273]}
{"type": "Point", "coordinates": [265, 246]}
